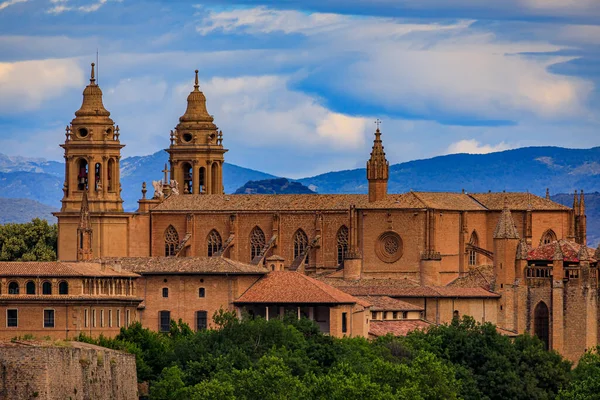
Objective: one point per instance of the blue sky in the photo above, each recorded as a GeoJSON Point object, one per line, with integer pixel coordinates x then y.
{"type": "Point", "coordinates": [296, 85]}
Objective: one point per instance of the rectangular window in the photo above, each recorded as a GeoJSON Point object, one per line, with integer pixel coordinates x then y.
{"type": "Point", "coordinates": [110, 318]}
{"type": "Point", "coordinates": [344, 322]}
{"type": "Point", "coordinates": [12, 318]}
{"type": "Point", "coordinates": [93, 318]}
{"type": "Point", "coordinates": [164, 321]}
{"type": "Point", "coordinates": [101, 318]}
{"type": "Point", "coordinates": [86, 318]}
{"type": "Point", "coordinates": [127, 317]}
{"type": "Point", "coordinates": [373, 315]}
{"type": "Point", "coordinates": [201, 320]}
{"type": "Point", "coordinates": [118, 318]}
{"type": "Point", "coordinates": [395, 315]}
{"type": "Point", "coordinates": [48, 318]}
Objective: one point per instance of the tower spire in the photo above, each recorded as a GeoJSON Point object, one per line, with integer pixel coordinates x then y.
{"type": "Point", "coordinates": [377, 168]}
{"type": "Point", "coordinates": [196, 85]}
{"type": "Point", "coordinates": [506, 229]}
{"type": "Point", "coordinates": [92, 76]}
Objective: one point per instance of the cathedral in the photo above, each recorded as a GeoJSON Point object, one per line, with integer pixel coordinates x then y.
{"type": "Point", "coordinates": [358, 265]}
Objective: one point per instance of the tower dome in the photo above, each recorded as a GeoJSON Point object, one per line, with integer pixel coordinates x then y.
{"type": "Point", "coordinates": [92, 105]}
{"type": "Point", "coordinates": [196, 107]}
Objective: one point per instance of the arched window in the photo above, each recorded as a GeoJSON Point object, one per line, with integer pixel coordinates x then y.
{"type": "Point", "coordinates": [201, 180]}
{"type": "Point", "coordinates": [30, 287]}
{"type": "Point", "coordinates": [473, 241]}
{"type": "Point", "coordinates": [214, 243]}
{"type": "Point", "coordinates": [257, 242]}
{"type": "Point", "coordinates": [171, 241]}
{"type": "Point", "coordinates": [187, 178]}
{"type": "Point", "coordinates": [541, 317]}
{"type": "Point", "coordinates": [63, 288]}
{"type": "Point", "coordinates": [82, 175]}
{"type": "Point", "coordinates": [13, 288]}
{"type": "Point", "coordinates": [111, 173]}
{"type": "Point", "coordinates": [300, 244]}
{"type": "Point", "coordinates": [548, 237]}
{"type": "Point", "coordinates": [46, 288]}
{"type": "Point", "coordinates": [342, 244]}
{"type": "Point", "coordinates": [98, 177]}
{"type": "Point", "coordinates": [214, 170]}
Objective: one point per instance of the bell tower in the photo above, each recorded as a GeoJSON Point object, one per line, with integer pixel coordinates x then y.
{"type": "Point", "coordinates": [377, 169]}
{"type": "Point", "coordinates": [196, 150]}
{"type": "Point", "coordinates": [92, 154]}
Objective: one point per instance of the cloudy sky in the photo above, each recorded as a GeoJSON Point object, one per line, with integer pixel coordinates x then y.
{"type": "Point", "coordinates": [296, 85]}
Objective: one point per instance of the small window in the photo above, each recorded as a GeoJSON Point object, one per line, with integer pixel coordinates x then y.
{"type": "Point", "coordinates": [165, 321]}
{"type": "Point", "coordinates": [30, 287]}
{"type": "Point", "coordinates": [86, 318]}
{"type": "Point", "coordinates": [395, 315]}
{"type": "Point", "coordinates": [101, 318]}
{"type": "Point", "coordinates": [93, 318]}
{"type": "Point", "coordinates": [118, 318]}
{"type": "Point", "coordinates": [127, 317]}
{"type": "Point", "coordinates": [46, 288]}
{"type": "Point", "coordinates": [201, 320]}
{"type": "Point", "coordinates": [344, 322]}
{"type": "Point", "coordinates": [48, 318]}
{"type": "Point", "coordinates": [63, 288]}
{"type": "Point", "coordinates": [13, 288]}
{"type": "Point", "coordinates": [110, 318]}
{"type": "Point", "coordinates": [12, 318]}
{"type": "Point", "coordinates": [455, 314]}
{"type": "Point", "coordinates": [83, 132]}
{"type": "Point", "coordinates": [373, 315]}
{"type": "Point", "coordinates": [201, 292]}
{"type": "Point", "coordinates": [187, 137]}
{"type": "Point", "coordinates": [165, 292]}
{"type": "Point", "coordinates": [404, 314]}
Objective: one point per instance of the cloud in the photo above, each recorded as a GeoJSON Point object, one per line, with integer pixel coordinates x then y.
{"type": "Point", "coordinates": [8, 3]}
{"type": "Point", "coordinates": [472, 146]}
{"type": "Point", "coordinates": [26, 85]}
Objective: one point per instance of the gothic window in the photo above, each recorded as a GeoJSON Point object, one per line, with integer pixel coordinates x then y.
{"type": "Point", "coordinates": [187, 178]}
{"type": "Point", "coordinates": [474, 241]}
{"type": "Point", "coordinates": [541, 328]}
{"type": "Point", "coordinates": [201, 179]}
{"type": "Point", "coordinates": [82, 175]}
{"type": "Point", "coordinates": [13, 288]}
{"type": "Point", "coordinates": [257, 242]}
{"type": "Point", "coordinates": [30, 287]}
{"type": "Point", "coordinates": [201, 320]}
{"type": "Point", "coordinates": [98, 177]}
{"type": "Point", "coordinates": [111, 173]}
{"type": "Point", "coordinates": [214, 243]}
{"type": "Point", "coordinates": [164, 321]}
{"type": "Point", "coordinates": [548, 237]}
{"type": "Point", "coordinates": [46, 288]}
{"type": "Point", "coordinates": [342, 244]}
{"type": "Point", "coordinates": [215, 178]}
{"type": "Point", "coordinates": [171, 241]}
{"type": "Point", "coordinates": [63, 288]}
{"type": "Point", "coordinates": [300, 244]}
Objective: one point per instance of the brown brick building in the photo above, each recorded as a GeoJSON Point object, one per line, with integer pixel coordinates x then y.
{"type": "Point", "coordinates": [423, 255]}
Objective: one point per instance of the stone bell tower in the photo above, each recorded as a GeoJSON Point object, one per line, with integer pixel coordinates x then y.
{"type": "Point", "coordinates": [196, 150]}
{"type": "Point", "coordinates": [377, 169]}
{"type": "Point", "coordinates": [92, 154]}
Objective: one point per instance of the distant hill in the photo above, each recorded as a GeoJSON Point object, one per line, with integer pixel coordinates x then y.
{"type": "Point", "coordinates": [592, 211]}
{"type": "Point", "coordinates": [24, 210]}
{"type": "Point", "coordinates": [273, 186]}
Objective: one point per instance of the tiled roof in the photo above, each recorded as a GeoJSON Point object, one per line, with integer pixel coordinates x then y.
{"type": "Point", "coordinates": [69, 297]}
{"type": "Point", "coordinates": [448, 201]}
{"type": "Point", "coordinates": [59, 268]}
{"type": "Point", "coordinates": [285, 287]}
{"type": "Point", "coordinates": [505, 228]}
{"type": "Point", "coordinates": [385, 303]}
{"type": "Point", "coordinates": [481, 276]}
{"type": "Point", "coordinates": [396, 328]}
{"type": "Point", "coordinates": [420, 291]}
{"type": "Point", "coordinates": [184, 265]}
{"type": "Point", "coordinates": [516, 201]}
{"type": "Point", "coordinates": [567, 250]}
{"type": "Point", "coordinates": [336, 279]}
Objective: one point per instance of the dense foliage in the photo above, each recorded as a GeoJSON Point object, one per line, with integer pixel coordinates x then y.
{"type": "Point", "coordinates": [289, 358]}
{"type": "Point", "coordinates": [32, 241]}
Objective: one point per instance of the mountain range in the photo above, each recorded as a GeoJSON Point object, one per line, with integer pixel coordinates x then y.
{"type": "Point", "coordinates": [530, 169]}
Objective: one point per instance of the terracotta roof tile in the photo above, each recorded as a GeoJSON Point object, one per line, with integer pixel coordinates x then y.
{"type": "Point", "coordinates": [396, 328]}
{"type": "Point", "coordinates": [50, 299]}
{"type": "Point", "coordinates": [336, 279]}
{"type": "Point", "coordinates": [184, 265]}
{"type": "Point", "coordinates": [59, 268]}
{"type": "Point", "coordinates": [281, 287]}
{"type": "Point", "coordinates": [570, 251]}
{"type": "Point", "coordinates": [420, 291]}
{"type": "Point", "coordinates": [481, 276]}
{"type": "Point", "coordinates": [449, 201]}
{"type": "Point", "coordinates": [516, 201]}
{"type": "Point", "coordinates": [385, 303]}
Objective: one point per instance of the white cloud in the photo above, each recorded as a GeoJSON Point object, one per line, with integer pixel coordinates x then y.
{"type": "Point", "coordinates": [8, 3]}
{"type": "Point", "coordinates": [472, 146]}
{"type": "Point", "coordinates": [25, 85]}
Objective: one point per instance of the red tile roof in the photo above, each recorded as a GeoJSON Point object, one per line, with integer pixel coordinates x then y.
{"type": "Point", "coordinates": [185, 265]}
{"type": "Point", "coordinates": [59, 268]}
{"type": "Point", "coordinates": [52, 299]}
{"type": "Point", "coordinates": [567, 250]}
{"type": "Point", "coordinates": [396, 328]}
{"type": "Point", "coordinates": [285, 287]}
{"type": "Point", "coordinates": [385, 303]}
{"type": "Point", "coordinates": [516, 201]}
{"type": "Point", "coordinates": [420, 291]}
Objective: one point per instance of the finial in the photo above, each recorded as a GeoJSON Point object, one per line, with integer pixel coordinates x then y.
{"type": "Point", "coordinates": [165, 171]}
{"type": "Point", "coordinates": [547, 193]}
{"type": "Point", "coordinates": [92, 77]}
{"type": "Point", "coordinates": [196, 86]}
{"type": "Point", "coordinates": [377, 123]}
{"type": "Point", "coordinates": [505, 203]}
{"type": "Point", "coordinates": [144, 190]}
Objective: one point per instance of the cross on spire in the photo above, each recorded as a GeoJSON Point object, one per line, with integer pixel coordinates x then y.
{"type": "Point", "coordinates": [165, 171]}
{"type": "Point", "coordinates": [377, 122]}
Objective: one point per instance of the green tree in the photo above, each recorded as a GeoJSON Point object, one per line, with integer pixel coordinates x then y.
{"type": "Point", "coordinates": [585, 384]}
{"type": "Point", "coordinates": [32, 241]}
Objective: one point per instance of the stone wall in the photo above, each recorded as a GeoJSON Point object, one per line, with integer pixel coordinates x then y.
{"type": "Point", "coordinates": [66, 370]}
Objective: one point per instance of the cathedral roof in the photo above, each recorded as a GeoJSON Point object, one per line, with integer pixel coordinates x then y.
{"type": "Point", "coordinates": [196, 106]}
{"type": "Point", "coordinates": [184, 265]}
{"type": "Point", "coordinates": [92, 105]}
{"type": "Point", "coordinates": [59, 269]}
{"type": "Point", "coordinates": [449, 201]}
{"type": "Point", "coordinates": [562, 249]}
{"type": "Point", "coordinates": [396, 328]}
{"type": "Point", "coordinates": [386, 303]}
{"type": "Point", "coordinates": [418, 291]}
{"type": "Point", "coordinates": [516, 201]}
{"type": "Point", "coordinates": [505, 228]}
{"type": "Point", "coordinates": [289, 287]}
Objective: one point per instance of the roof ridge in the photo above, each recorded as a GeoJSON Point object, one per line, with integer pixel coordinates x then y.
{"type": "Point", "coordinates": [420, 199]}
{"type": "Point", "coordinates": [319, 285]}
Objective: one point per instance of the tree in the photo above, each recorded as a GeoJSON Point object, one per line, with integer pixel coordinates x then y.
{"type": "Point", "coordinates": [586, 378]}
{"type": "Point", "coordinates": [32, 241]}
